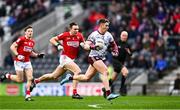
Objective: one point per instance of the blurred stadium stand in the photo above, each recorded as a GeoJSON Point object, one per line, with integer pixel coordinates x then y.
{"type": "Point", "coordinates": [154, 36]}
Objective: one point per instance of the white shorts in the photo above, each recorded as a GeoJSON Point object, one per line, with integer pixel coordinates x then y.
{"type": "Point", "coordinates": [64, 60]}
{"type": "Point", "coordinates": [20, 66]}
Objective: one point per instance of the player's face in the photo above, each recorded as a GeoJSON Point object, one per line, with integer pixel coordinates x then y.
{"type": "Point", "coordinates": [29, 33]}
{"type": "Point", "coordinates": [124, 36]}
{"type": "Point", "coordinates": [104, 27]}
{"type": "Point", "coordinates": [74, 30]}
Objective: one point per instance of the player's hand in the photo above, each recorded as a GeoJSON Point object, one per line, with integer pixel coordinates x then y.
{"type": "Point", "coordinates": [60, 47]}
{"type": "Point", "coordinates": [95, 47]}
{"type": "Point", "coordinates": [40, 55]}
{"type": "Point", "coordinates": [99, 46]}
{"type": "Point", "coordinates": [20, 57]}
{"type": "Point", "coordinates": [82, 44]}
{"type": "Point", "coordinates": [85, 46]}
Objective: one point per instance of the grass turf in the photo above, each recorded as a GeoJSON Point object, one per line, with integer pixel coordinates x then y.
{"type": "Point", "coordinates": [91, 102]}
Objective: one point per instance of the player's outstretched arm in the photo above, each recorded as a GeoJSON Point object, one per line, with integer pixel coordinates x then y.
{"type": "Point", "coordinates": [85, 46]}
{"type": "Point", "coordinates": [38, 55]}
{"type": "Point", "coordinates": [54, 41]}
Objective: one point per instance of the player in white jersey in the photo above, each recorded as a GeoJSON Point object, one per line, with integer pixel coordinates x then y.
{"type": "Point", "coordinates": [104, 40]}
{"type": "Point", "coordinates": [98, 42]}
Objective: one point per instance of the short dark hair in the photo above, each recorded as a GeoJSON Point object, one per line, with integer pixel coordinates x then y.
{"type": "Point", "coordinates": [103, 20]}
{"type": "Point", "coordinates": [27, 27]}
{"type": "Point", "coordinates": [72, 24]}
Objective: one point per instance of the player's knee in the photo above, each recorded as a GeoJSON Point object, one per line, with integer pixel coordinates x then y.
{"type": "Point", "coordinates": [125, 72]}
{"type": "Point", "coordinates": [30, 79]}
{"type": "Point", "coordinates": [86, 78]}
{"type": "Point", "coordinates": [77, 72]}
{"type": "Point", "coordinates": [105, 73]}
{"type": "Point", "coordinates": [54, 77]}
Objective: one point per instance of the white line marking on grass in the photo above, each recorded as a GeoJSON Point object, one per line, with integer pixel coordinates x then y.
{"type": "Point", "coordinates": [95, 105]}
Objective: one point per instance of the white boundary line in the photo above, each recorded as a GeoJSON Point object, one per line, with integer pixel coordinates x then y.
{"type": "Point", "coordinates": [95, 105]}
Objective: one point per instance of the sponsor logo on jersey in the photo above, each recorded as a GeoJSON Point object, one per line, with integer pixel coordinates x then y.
{"type": "Point", "coordinates": [73, 43]}
{"type": "Point", "coordinates": [27, 49]}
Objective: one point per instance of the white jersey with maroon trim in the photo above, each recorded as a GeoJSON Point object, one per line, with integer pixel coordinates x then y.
{"type": "Point", "coordinates": [94, 37]}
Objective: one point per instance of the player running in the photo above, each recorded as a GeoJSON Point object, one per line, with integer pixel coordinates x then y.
{"type": "Point", "coordinates": [70, 47]}
{"type": "Point", "coordinates": [98, 42]}
{"type": "Point", "coordinates": [118, 62]}
{"type": "Point", "coordinates": [22, 49]}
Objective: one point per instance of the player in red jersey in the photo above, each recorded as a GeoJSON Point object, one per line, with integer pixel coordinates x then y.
{"type": "Point", "coordinates": [70, 46]}
{"type": "Point", "coordinates": [22, 49]}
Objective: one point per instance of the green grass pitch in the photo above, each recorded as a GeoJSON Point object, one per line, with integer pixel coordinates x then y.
{"type": "Point", "coordinates": [91, 102]}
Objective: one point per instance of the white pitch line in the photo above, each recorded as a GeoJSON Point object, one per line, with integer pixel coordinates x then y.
{"type": "Point", "coordinates": [95, 105]}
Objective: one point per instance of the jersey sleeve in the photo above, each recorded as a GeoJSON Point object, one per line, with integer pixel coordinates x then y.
{"type": "Point", "coordinates": [19, 40]}
{"type": "Point", "coordinates": [111, 38]}
{"type": "Point", "coordinates": [81, 37]}
{"type": "Point", "coordinates": [60, 36]}
{"type": "Point", "coordinates": [91, 38]}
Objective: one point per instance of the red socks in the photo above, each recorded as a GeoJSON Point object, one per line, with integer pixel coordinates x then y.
{"type": "Point", "coordinates": [27, 92]}
{"type": "Point", "coordinates": [108, 92]}
{"type": "Point", "coordinates": [37, 81]}
{"type": "Point", "coordinates": [74, 91]}
{"type": "Point", "coordinates": [8, 76]}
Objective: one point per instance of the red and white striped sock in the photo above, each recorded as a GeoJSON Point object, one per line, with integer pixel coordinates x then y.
{"type": "Point", "coordinates": [8, 76]}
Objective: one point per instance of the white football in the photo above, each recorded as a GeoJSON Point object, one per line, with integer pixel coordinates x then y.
{"type": "Point", "coordinates": [99, 43]}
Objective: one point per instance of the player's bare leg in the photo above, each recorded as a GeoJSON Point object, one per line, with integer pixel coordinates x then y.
{"type": "Point", "coordinates": [29, 77]}
{"type": "Point", "coordinates": [91, 71]}
{"type": "Point", "coordinates": [49, 76]}
{"type": "Point", "coordinates": [74, 68]}
{"type": "Point", "coordinates": [88, 75]}
{"type": "Point", "coordinates": [19, 77]}
{"type": "Point", "coordinates": [54, 75]}
{"type": "Point", "coordinates": [102, 68]}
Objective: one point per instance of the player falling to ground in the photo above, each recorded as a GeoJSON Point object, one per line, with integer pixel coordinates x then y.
{"type": "Point", "coordinates": [98, 42]}
{"type": "Point", "coordinates": [118, 62]}
{"type": "Point", "coordinates": [22, 49]}
{"type": "Point", "coordinates": [70, 46]}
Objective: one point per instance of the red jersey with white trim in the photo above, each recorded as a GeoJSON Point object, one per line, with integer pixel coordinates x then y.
{"type": "Point", "coordinates": [70, 43]}
{"type": "Point", "coordinates": [25, 47]}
